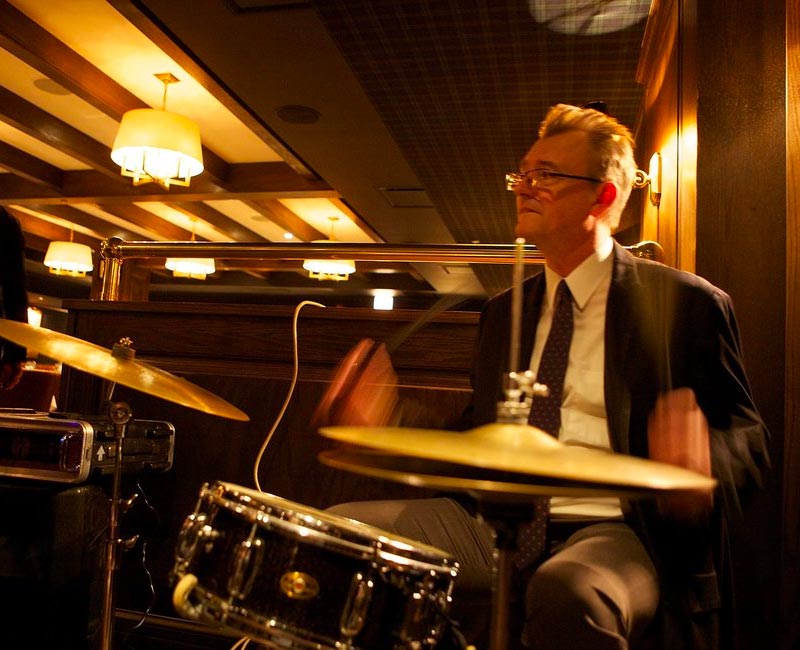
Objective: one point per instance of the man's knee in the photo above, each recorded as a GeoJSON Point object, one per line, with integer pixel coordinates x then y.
{"type": "Point", "coordinates": [563, 604]}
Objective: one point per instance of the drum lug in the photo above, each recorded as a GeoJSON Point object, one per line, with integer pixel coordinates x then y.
{"type": "Point", "coordinates": [194, 530]}
{"type": "Point", "coordinates": [354, 612]}
{"type": "Point", "coordinates": [423, 620]}
{"type": "Point", "coordinates": [248, 554]}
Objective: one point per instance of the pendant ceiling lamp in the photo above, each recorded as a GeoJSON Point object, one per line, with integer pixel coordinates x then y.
{"type": "Point", "coordinates": [156, 146]}
{"type": "Point", "coordinates": [68, 258]}
{"type": "Point", "coordinates": [196, 268]}
{"type": "Point", "coordinates": [336, 270]}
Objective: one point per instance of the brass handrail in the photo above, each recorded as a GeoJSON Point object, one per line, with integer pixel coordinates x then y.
{"type": "Point", "coordinates": [114, 251]}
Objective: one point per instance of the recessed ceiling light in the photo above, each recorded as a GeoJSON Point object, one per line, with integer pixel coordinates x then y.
{"type": "Point", "coordinates": [49, 86]}
{"type": "Point", "coordinates": [297, 114]}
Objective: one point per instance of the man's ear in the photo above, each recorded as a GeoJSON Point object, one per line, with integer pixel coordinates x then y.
{"type": "Point", "coordinates": [607, 194]}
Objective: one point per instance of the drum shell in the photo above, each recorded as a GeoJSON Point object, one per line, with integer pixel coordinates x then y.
{"type": "Point", "coordinates": [404, 589]}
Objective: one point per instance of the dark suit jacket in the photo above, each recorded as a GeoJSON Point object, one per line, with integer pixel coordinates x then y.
{"type": "Point", "coordinates": [14, 297]}
{"type": "Point", "coordinates": [665, 329]}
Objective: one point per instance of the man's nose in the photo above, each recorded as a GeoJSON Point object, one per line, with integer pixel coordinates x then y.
{"type": "Point", "coordinates": [524, 189]}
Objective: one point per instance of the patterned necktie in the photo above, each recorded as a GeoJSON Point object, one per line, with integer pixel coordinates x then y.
{"type": "Point", "coordinates": [546, 414]}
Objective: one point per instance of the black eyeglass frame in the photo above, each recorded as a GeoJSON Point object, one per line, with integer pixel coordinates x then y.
{"type": "Point", "coordinates": [515, 178]}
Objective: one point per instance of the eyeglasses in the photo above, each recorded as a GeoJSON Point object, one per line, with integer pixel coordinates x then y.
{"type": "Point", "coordinates": [541, 178]}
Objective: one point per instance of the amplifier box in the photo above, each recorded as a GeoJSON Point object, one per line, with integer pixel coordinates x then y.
{"type": "Point", "coordinates": [69, 448]}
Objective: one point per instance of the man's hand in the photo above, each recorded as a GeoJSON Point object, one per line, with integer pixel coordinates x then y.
{"type": "Point", "coordinates": [363, 391]}
{"type": "Point", "coordinates": [677, 434]}
{"type": "Point", "coordinates": [10, 373]}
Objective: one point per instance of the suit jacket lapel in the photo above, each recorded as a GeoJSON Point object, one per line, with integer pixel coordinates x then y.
{"type": "Point", "coordinates": [620, 349]}
{"type": "Point", "coordinates": [532, 306]}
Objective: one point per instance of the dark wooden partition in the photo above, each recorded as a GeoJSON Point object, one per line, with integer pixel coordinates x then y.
{"type": "Point", "coordinates": [244, 354]}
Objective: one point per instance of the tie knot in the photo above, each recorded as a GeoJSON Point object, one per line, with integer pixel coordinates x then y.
{"type": "Point", "coordinates": [563, 293]}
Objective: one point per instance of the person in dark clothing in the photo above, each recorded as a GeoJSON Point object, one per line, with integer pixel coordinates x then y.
{"type": "Point", "coordinates": [14, 297]}
{"type": "Point", "coordinates": [655, 370]}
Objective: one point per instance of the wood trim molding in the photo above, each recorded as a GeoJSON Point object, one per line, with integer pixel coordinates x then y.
{"type": "Point", "coordinates": [791, 460]}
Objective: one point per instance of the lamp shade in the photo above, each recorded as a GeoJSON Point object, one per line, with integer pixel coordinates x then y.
{"type": "Point", "coordinates": [337, 270]}
{"type": "Point", "coordinates": [190, 267]}
{"type": "Point", "coordinates": [68, 258]}
{"type": "Point", "coordinates": [158, 146]}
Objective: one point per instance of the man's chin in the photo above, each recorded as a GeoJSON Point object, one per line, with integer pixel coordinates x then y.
{"type": "Point", "coordinates": [527, 234]}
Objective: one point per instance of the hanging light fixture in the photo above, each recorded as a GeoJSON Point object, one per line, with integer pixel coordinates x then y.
{"type": "Point", "coordinates": [337, 270]}
{"type": "Point", "coordinates": [196, 268]}
{"type": "Point", "coordinates": [156, 146]}
{"type": "Point", "coordinates": [68, 258]}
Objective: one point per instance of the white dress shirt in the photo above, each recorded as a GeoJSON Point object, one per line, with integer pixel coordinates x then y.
{"type": "Point", "coordinates": [583, 409]}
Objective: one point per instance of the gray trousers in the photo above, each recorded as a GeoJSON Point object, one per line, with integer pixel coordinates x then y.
{"type": "Point", "coordinates": [597, 590]}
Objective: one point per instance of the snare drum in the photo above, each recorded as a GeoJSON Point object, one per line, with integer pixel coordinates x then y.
{"type": "Point", "coordinates": [296, 577]}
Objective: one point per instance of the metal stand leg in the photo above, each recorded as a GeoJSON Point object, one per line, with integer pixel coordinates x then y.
{"type": "Point", "coordinates": [501, 600]}
{"type": "Point", "coordinates": [505, 518]}
{"type": "Point", "coordinates": [120, 414]}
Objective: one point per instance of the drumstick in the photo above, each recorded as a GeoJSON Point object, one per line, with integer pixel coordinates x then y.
{"type": "Point", "coordinates": [443, 304]}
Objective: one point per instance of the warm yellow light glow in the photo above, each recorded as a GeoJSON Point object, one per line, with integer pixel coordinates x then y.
{"type": "Point", "coordinates": [654, 173]}
{"type": "Point", "coordinates": [68, 258]}
{"type": "Point", "coordinates": [157, 146]}
{"type": "Point", "coordinates": [337, 270]}
{"type": "Point", "coordinates": [196, 268]}
{"type": "Point", "coordinates": [383, 300]}
{"type": "Point", "coordinates": [34, 317]}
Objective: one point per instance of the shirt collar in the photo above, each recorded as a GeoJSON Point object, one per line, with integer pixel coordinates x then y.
{"type": "Point", "coordinates": [587, 276]}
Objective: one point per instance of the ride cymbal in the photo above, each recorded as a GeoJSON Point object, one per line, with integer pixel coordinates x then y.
{"type": "Point", "coordinates": [526, 453]}
{"type": "Point", "coordinates": [117, 366]}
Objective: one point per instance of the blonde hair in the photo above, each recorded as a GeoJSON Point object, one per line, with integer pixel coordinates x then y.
{"type": "Point", "coordinates": [611, 142]}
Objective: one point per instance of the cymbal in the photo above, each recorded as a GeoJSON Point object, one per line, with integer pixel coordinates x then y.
{"type": "Point", "coordinates": [129, 372]}
{"type": "Point", "coordinates": [527, 453]}
{"type": "Point", "coordinates": [484, 484]}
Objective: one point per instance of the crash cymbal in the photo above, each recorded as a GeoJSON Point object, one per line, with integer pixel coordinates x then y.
{"type": "Point", "coordinates": [524, 451]}
{"type": "Point", "coordinates": [484, 484]}
{"type": "Point", "coordinates": [117, 366]}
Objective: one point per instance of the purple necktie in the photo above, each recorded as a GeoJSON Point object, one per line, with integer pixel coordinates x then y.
{"type": "Point", "coordinates": [546, 415]}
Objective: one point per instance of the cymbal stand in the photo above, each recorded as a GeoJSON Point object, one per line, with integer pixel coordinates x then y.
{"type": "Point", "coordinates": [120, 414]}
{"type": "Point", "coordinates": [505, 519]}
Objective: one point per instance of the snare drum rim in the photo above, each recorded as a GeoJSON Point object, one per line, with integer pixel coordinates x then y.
{"type": "Point", "coordinates": [317, 526]}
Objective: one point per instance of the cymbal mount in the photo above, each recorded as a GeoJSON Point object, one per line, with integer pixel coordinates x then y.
{"type": "Point", "coordinates": [519, 390]}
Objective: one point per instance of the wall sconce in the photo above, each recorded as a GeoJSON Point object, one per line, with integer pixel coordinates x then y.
{"type": "Point", "coordinates": [336, 270]}
{"type": "Point", "coordinates": [652, 179]}
{"type": "Point", "coordinates": [68, 258]}
{"type": "Point", "coordinates": [155, 146]}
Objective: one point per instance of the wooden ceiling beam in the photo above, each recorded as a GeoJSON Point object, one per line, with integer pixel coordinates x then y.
{"type": "Point", "coordinates": [29, 167]}
{"type": "Point", "coordinates": [26, 40]}
{"type": "Point", "coordinates": [363, 225]}
{"type": "Point", "coordinates": [279, 214]}
{"type": "Point", "coordinates": [252, 181]}
{"type": "Point", "coordinates": [45, 229]}
{"type": "Point", "coordinates": [220, 221]}
{"type": "Point", "coordinates": [145, 22]}
{"type": "Point", "coordinates": [86, 220]}
{"type": "Point", "coordinates": [39, 124]}
{"type": "Point", "coordinates": [147, 220]}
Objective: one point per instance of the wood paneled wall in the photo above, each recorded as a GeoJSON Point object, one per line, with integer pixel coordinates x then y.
{"type": "Point", "coordinates": [715, 73]}
{"type": "Point", "coordinates": [790, 514]}
{"type": "Point", "coordinates": [244, 354]}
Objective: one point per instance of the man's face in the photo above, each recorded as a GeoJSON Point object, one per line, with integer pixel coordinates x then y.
{"type": "Point", "coordinates": [558, 211]}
